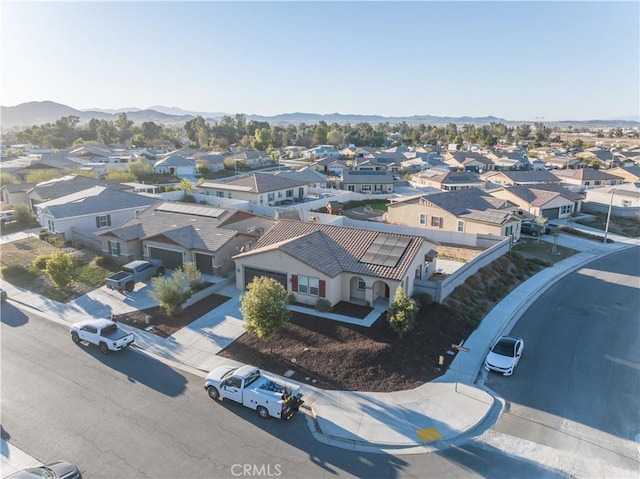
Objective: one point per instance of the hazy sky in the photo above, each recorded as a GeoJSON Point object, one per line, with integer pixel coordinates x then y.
{"type": "Point", "coordinates": [517, 60]}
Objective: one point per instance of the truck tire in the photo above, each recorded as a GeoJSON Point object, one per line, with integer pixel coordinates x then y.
{"type": "Point", "coordinates": [262, 412]}
{"type": "Point", "coordinates": [160, 271]}
{"type": "Point", "coordinates": [75, 338]}
{"type": "Point", "coordinates": [104, 349]}
{"type": "Point", "coordinates": [129, 286]}
{"type": "Point", "coordinates": [213, 393]}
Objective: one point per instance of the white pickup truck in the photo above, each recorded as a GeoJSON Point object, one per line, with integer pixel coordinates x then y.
{"type": "Point", "coordinates": [104, 333]}
{"type": "Point", "coordinates": [251, 388]}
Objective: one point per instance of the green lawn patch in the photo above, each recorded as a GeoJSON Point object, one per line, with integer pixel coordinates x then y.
{"type": "Point", "coordinates": [629, 227]}
{"type": "Point", "coordinates": [534, 248]}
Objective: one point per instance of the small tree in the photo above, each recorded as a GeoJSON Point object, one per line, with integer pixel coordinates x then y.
{"type": "Point", "coordinates": [59, 268]}
{"type": "Point", "coordinates": [264, 307]}
{"type": "Point", "coordinates": [185, 185]}
{"type": "Point", "coordinates": [193, 275]}
{"type": "Point", "coordinates": [23, 215]}
{"type": "Point", "coordinates": [402, 312]}
{"type": "Point", "coordinates": [170, 291]}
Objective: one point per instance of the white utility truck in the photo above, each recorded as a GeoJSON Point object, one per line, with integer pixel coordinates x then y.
{"type": "Point", "coordinates": [104, 333]}
{"type": "Point", "coordinates": [252, 388]}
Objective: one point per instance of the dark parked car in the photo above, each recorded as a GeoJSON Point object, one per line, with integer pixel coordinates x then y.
{"type": "Point", "coordinates": [55, 470]}
{"type": "Point", "coordinates": [531, 228]}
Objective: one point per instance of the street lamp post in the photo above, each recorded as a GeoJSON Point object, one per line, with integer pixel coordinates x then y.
{"type": "Point", "coordinates": [606, 227]}
{"type": "Point", "coordinates": [459, 347]}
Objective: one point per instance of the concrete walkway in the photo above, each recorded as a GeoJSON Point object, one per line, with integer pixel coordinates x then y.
{"type": "Point", "coordinates": [431, 417]}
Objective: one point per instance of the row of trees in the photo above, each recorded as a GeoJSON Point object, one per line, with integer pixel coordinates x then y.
{"type": "Point", "coordinates": [260, 135]}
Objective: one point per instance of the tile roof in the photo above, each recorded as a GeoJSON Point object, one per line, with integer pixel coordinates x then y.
{"type": "Point", "coordinates": [186, 229]}
{"type": "Point", "coordinates": [532, 176]}
{"type": "Point", "coordinates": [255, 183]}
{"type": "Point", "coordinates": [367, 176]}
{"type": "Point", "coordinates": [95, 200]}
{"type": "Point", "coordinates": [540, 195]}
{"type": "Point", "coordinates": [334, 249]}
{"type": "Point", "coordinates": [69, 184]}
{"type": "Point", "coordinates": [460, 202]}
{"type": "Point", "coordinates": [584, 174]}
{"type": "Point", "coordinates": [175, 160]}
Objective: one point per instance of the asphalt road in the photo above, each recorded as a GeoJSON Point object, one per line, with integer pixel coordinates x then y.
{"type": "Point", "coordinates": [577, 386]}
{"type": "Point", "coordinates": [127, 415]}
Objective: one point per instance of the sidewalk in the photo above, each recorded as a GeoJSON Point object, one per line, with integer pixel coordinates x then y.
{"type": "Point", "coordinates": [431, 417]}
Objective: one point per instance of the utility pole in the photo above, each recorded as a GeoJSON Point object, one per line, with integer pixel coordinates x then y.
{"type": "Point", "coordinates": [606, 228]}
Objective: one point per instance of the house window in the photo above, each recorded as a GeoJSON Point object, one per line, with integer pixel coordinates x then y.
{"type": "Point", "coordinates": [598, 182]}
{"type": "Point", "coordinates": [300, 192]}
{"type": "Point", "coordinates": [289, 193]}
{"type": "Point", "coordinates": [308, 285]}
{"type": "Point", "coordinates": [103, 221]}
{"type": "Point", "coordinates": [461, 226]}
{"type": "Point", "coordinates": [51, 226]}
{"type": "Point", "coordinates": [423, 219]}
{"type": "Point", "coordinates": [271, 197]}
{"type": "Point", "coordinates": [261, 199]}
{"type": "Point", "coordinates": [229, 194]}
{"type": "Point", "coordinates": [361, 285]}
{"type": "Point", "coordinates": [436, 222]}
{"type": "Point", "coordinates": [566, 210]}
{"type": "Point", "coordinates": [365, 188]}
{"type": "Point", "coordinates": [378, 187]}
{"type": "Point", "coordinates": [279, 194]}
{"type": "Point", "coordinates": [114, 248]}
{"type": "Point", "coordinates": [508, 230]}
{"type": "Point", "coordinates": [220, 194]}
{"type": "Point", "coordinates": [626, 203]}
{"type": "Point", "coordinates": [351, 187]}
{"type": "Point", "coordinates": [587, 183]}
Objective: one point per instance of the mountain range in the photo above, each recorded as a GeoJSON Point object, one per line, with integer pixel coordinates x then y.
{"type": "Point", "coordinates": [41, 112]}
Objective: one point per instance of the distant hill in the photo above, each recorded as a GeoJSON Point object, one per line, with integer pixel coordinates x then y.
{"type": "Point", "coordinates": [41, 112]}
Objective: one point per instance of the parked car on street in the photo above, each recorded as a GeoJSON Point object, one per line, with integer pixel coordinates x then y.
{"type": "Point", "coordinates": [252, 388]}
{"type": "Point", "coordinates": [7, 216]}
{"type": "Point", "coordinates": [104, 333]}
{"type": "Point", "coordinates": [53, 470]}
{"type": "Point", "coordinates": [531, 228]}
{"type": "Point", "coordinates": [504, 355]}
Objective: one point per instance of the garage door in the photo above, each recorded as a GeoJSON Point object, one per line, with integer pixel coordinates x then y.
{"type": "Point", "coordinates": [250, 273]}
{"type": "Point", "coordinates": [204, 263]}
{"type": "Point", "coordinates": [172, 259]}
{"type": "Point", "coordinates": [551, 214]}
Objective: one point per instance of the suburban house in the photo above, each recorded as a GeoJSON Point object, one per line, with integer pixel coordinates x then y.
{"type": "Point", "coordinates": [624, 200]}
{"type": "Point", "coordinates": [447, 180]}
{"type": "Point", "coordinates": [379, 162]}
{"type": "Point", "coordinates": [310, 176]}
{"type": "Point", "coordinates": [89, 211]}
{"type": "Point", "coordinates": [550, 201]}
{"type": "Point", "coordinates": [467, 161]}
{"type": "Point", "coordinates": [15, 194]}
{"type": "Point", "coordinates": [252, 158]}
{"type": "Point", "coordinates": [66, 185]}
{"type": "Point", "coordinates": [629, 174]}
{"type": "Point", "coordinates": [563, 162]}
{"type": "Point", "coordinates": [213, 161]}
{"type": "Point", "coordinates": [321, 151]}
{"type": "Point", "coordinates": [585, 178]}
{"type": "Point", "coordinates": [178, 233]}
{"type": "Point", "coordinates": [22, 167]}
{"type": "Point", "coordinates": [176, 165]}
{"type": "Point", "coordinates": [366, 181]}
{"type": "Point", "coordinates": [465, 211]}
{"type": "Point", "coordinates": [317, 261]}
{"type": "Point", "coordinates": [259, 188]}
{"type": "Point", "coordinates": [604, 158]}
{"type": "Point", "coordinates": [527, 177]}
{"type": "Point", "coordinates": [331, 165]}
{"type": "Point", "coordinates": [91, 152]}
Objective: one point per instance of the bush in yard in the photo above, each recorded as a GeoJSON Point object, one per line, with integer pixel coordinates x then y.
{"type": "Point", "coordinates": [59, 268]}
{"type": "Point", "coordinates": [194, 276]}
{"type": "Point", "coordinates": [11, 270]}
{"type": "Point", "coordinates": [402, 312]}
{"type": "Point", "coordinates": [23, 215]}
{"type": "Point", "coordinates": [323, 305]}
{"type": "Point", "coordinates": [170, 291]}
{"type": "Point", "coordinates": [264, 307]}
{"type": "Point", "coordinates": [423, 299]}
{"type": "Point", "coordinates": [41, 261]}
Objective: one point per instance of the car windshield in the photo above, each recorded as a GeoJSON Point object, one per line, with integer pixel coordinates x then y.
{"type": "Point", "coordinates": [504, 348]}
{"type": "Point", "coordinates": [41, 473]}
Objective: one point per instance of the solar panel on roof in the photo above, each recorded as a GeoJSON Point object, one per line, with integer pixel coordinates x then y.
{"type": "Point", "coordinates": [195, 210]}
{"type": "Point", "coordinates": [386, 250]}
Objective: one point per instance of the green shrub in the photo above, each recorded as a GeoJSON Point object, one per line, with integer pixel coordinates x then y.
{"type": "Point", "coordinates": [100, 261]}
{"type": "Point", "coordinates": [423, 299]}
{"type": "Point", "coordinates": [41, 261]}
{"type": "Point", "coordinates": [323, 305]}
{"type": "Point", "coordinates": [12, 270]}
{"type": "Point", "coordinates": [43, 234]}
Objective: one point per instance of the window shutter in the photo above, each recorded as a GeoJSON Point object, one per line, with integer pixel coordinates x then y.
{"type": "Point", "coordinates": [97, 222]}
{"type": "Point", "coordinates": [433, 221]}
{"type": "Point", "coordinates": [322, 288]}
{"type": "Point", "coordinates": [441, 223]}
{"type": "Point", "coordinates": [117, 249]}
{"type": "Point", "coordinates": [108, 220]}
{"type": "Point", "coordinates": [294, 282]}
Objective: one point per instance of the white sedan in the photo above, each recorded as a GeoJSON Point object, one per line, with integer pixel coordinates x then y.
{"type": "Point", "coordinates": [504, 355]}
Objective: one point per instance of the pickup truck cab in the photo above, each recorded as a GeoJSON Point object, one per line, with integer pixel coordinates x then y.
{"type": "Point", "coordinates": [104, 333]}
{"type": "Point", "coordinates": [250, 387]}
{"type": "Point", "coordinates": [131, 273]}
